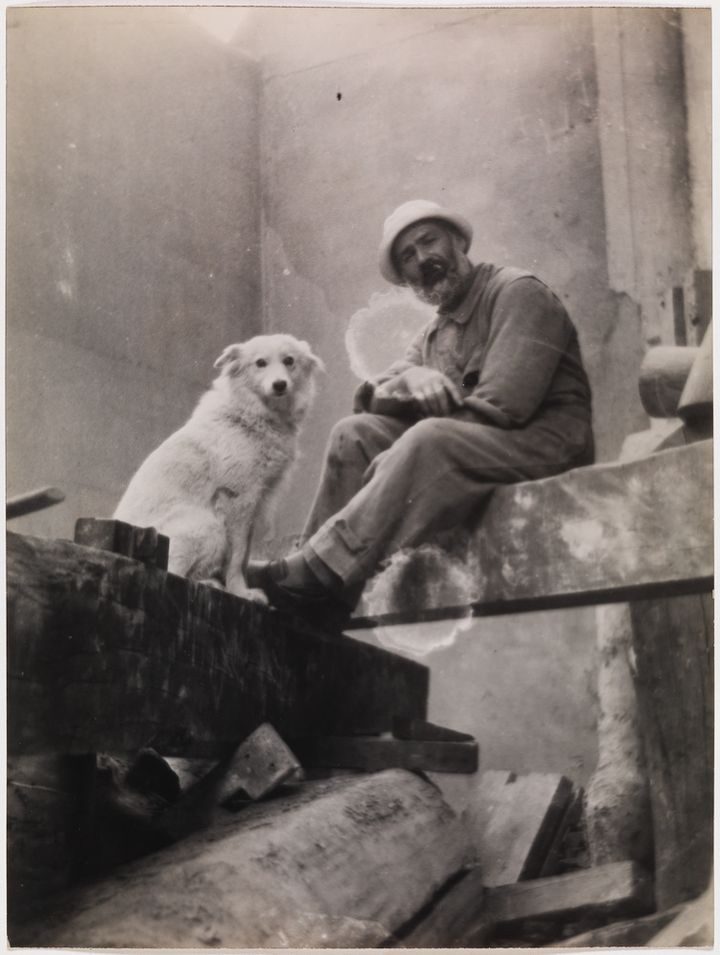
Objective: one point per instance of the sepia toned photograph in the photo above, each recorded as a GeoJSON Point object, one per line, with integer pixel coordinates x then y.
{"type": "Point", "coordinates": [359, 468]}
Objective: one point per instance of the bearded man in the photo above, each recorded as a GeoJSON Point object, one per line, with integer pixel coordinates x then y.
{"type": "Point", "coordinates": [492, 391]}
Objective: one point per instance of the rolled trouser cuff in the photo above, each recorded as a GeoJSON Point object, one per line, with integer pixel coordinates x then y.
{"type": "Point", "coordinates": [336, 546]}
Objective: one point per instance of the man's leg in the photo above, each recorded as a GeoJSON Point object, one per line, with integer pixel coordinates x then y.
{"type": "Point", "coordinates": [435, 476]}
{"type": "Point", "coordinates": [353, 445]}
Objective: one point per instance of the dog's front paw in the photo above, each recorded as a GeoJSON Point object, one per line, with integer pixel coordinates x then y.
{"type": "Point", "coordinates": [240, 589]}
{"type": "Point", "coordinates": [212, 582]}
{"type": "Point", "coordinates": [257, 596]}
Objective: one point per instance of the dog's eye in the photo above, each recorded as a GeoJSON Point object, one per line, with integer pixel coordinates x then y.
{"type": "Point", "coordinates": [261, 363]}
{"type": "Point", "coordinates": [289, 361]}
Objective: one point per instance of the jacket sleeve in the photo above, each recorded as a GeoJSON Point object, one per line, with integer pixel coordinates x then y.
{"type": "Point", "coordinates": [529, 333]}
{"type": "Point", "coordinates": [364, 398]}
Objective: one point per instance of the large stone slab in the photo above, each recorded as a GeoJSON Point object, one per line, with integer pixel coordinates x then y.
{"type": "Point", "coordinates": [608, 532]}
{"type": "Point", "coordinates": [345, 862]}
{"type": "Point", "coordinates": [105, 653]}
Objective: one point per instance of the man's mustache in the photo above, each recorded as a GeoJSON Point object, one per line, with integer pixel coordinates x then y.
{"type": "Point", "coordinates": [433, 270]}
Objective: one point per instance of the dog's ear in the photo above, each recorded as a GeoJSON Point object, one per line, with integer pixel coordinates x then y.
{"type": "Point", "coordinates": [314, 360]}
{"type": "Point", "coordinates": [231, 353]}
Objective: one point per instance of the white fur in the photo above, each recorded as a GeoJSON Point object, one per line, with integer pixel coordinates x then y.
{"type": "Point", "coordinates": [208, 483]}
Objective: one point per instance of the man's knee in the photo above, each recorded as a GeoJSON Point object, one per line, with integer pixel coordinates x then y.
{"type": "Point", "coordinates": [357, 436]}
{"type": "Point", "coordinates": [426, 438]}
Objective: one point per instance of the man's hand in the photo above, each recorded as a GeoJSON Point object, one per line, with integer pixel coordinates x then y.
{"type": "Point", "coordinates": [433, 393]}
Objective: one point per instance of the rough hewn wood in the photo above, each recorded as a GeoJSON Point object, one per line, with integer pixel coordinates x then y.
{"type": "Point", "coordinates": [288, 873]}
{"type": "Point", "coordinates": [140, 543]}
{"type": "Point", "coordinates": [373, 753]}
{"type": "Point", "coordinates": [42, 817]}
{"type": "Point", "coordinates": [600, 534]}
{"type": "Point", "coordinates": [106, 654]}
{"type": "Point", "coordinates": [469, 913]}
{"type": "Point", "coordinates": [627, 933]}
{"type": "Point", "coordinates": [516, 819]}
{"type": "Point", "coordinates": [619, 888]}
{"type": "Point", "coordinates": [672, 640]}
{"type": "Point", "coordinates": [456, 915]}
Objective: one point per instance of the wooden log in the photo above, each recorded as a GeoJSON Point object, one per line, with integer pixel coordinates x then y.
{"type": "Point", "coordinates": [600, 534]}
{"type": "Point", "coordinates": [108, 655]}
{"type": "Point", "coordinates": [663, 374]}
{"type": "Point", "coordinates": [287, 873]}
{"type": "Point", "coordinates": [672, 640]}
{"type": "Point", "coordinates": [619, 888]}
{"type": "Point", "coordinates": [515, 822]}
{"type": "Point", "coordinates": [696, 400]}
{"type": "Point", "coordinates": [373, 753]}
{"type": "Point", "coordinates": [617, 800]}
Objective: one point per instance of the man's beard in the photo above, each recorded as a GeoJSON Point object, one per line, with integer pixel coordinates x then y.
{"type": "Point", "coordinates": [442, 285]}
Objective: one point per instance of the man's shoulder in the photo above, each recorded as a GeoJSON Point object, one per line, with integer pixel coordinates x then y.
{"type": "Point", "coordinates": [500, 276]}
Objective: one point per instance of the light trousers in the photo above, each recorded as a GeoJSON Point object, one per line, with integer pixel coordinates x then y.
{"type": "Point", "coordinates": [389, 483]}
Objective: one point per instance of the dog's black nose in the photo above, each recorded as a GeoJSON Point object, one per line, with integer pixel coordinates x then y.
{"type": "Point", "coordinates": [280, 386]}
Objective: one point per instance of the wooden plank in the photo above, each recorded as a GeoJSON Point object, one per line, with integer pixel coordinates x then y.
{"type": "Point", "coordinates": [343, 862]}
{"type": "Point", "coordinates": [594, 535]}
{"type": "Point", "coordinates": [374, 753]}
{"type": "Point", "coordinates": [618, 888]}
{"type": "Point", "coordinates": [33, 501]}
{"type": "Point", "coordinates": [516, 821]}
{"type": "Point", "coordinates": [672, 641]}
{"type": "Point", "coordinates": [106, 654]}
{"type": "Point", "coordinates": [468, 913]}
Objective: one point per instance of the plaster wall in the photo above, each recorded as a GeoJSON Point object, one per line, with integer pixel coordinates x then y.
{"type": "Point", "coordinates": [132, 218]}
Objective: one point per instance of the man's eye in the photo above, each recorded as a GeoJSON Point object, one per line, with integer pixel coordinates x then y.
{"type": "Point", "coordinates": [261, 363]}
{"type": "Point", "coordinates": [289, 361]}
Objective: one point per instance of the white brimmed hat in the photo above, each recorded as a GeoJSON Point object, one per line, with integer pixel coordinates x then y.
{"type": "Point", "coordinates": [416, 210]}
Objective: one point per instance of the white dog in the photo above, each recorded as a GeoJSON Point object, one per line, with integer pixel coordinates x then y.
{"type": "Point", "coordinates": [208, 483]}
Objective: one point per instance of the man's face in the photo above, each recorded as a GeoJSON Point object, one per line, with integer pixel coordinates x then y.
{"type": "Point", "coordinates": [429, 257]}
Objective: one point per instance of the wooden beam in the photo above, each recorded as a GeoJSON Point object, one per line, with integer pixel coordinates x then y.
{"type": "Point", "coordinates": [468, 913]}
{"type": "Point", "coordinates": [618, 888]}
{"type": "Point", "coordinates": [601, 534]}
{"type": "Point", "coordinates": [673, 668]}
{"type": "Point", "coordinates": [105, 653]}
{"type": "Point", "coordinates": [341, 863]}
{"type": "Point", "coordinates": [33, 501]}
{"type": "Point", "coordinates": [374, 753]}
